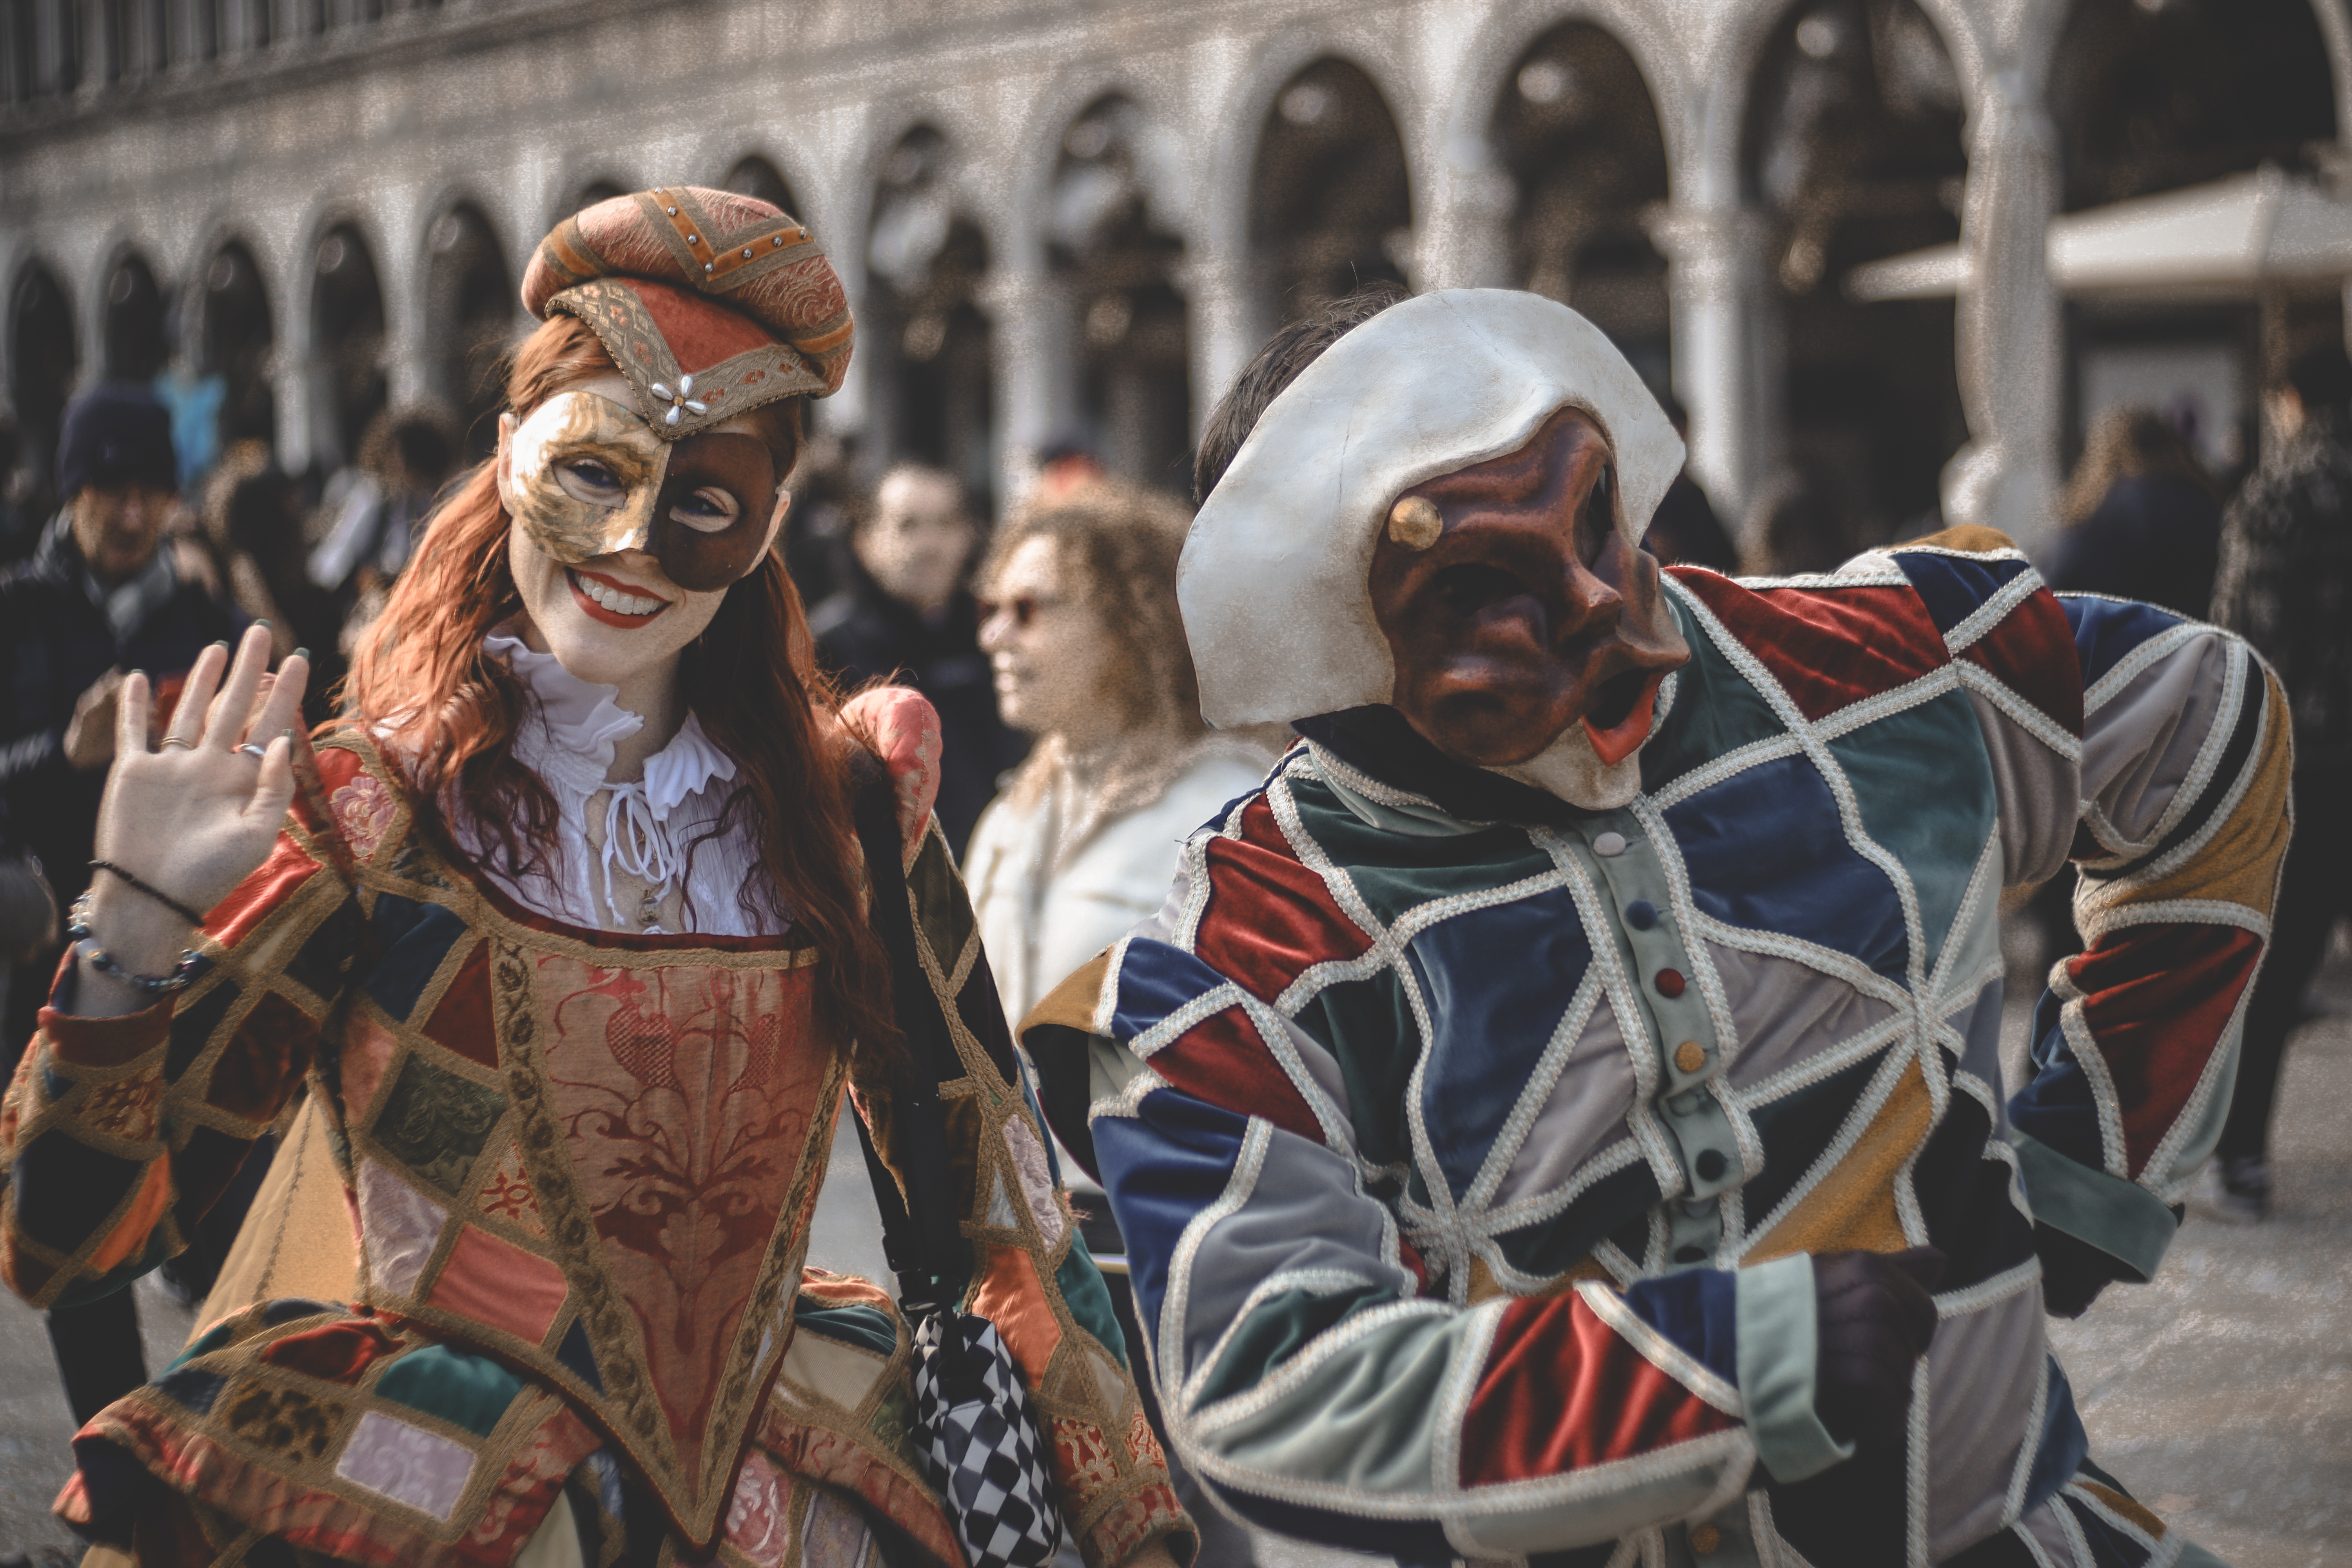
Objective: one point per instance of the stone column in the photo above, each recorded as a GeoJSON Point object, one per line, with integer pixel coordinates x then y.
{"type": "Point", "coordinates": [1463, 239]}
{"type": "Point", "coordinates": [1036, 391]}
{"type": "Point", "coordinates": [2010, 348]}
{"type": "Point", "coordinates": [1714, 288]}
{"type": "Point", "coordinates": [1225, 320]}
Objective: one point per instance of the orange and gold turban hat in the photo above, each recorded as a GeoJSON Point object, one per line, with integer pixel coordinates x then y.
{"type": "Point", "coordinates": [711, 303]}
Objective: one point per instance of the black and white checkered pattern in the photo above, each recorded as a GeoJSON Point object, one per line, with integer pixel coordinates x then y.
{"type": "Point", "coordinates": [982, 1445]}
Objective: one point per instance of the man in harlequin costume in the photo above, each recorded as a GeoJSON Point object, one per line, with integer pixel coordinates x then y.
{"type": "Point", "coordinates": [570, 931]}
{"type": "Point", "coordinates": [1557, 1118]}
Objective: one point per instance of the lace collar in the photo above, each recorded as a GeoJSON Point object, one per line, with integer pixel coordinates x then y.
{"type": "Point", "coordinates": [579, 725]}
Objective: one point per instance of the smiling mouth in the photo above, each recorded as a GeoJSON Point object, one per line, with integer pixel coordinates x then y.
{"type": "Point", "coordinates": [610, 602]}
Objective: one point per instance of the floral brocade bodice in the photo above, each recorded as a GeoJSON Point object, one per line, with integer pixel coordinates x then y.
{"type": "Point", "coordinates": [593, 1154]}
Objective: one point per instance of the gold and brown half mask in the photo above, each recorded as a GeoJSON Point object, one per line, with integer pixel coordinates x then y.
{"type": "Point", "coordinates": [586, 476]}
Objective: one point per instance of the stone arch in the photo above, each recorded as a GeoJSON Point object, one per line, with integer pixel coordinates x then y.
{"type": "Point", "coordinates": [44, 357]}
{"type": "Point", "coordinates": [349, 339]}
{"type": "Point", "coordinates": [1656, 50]}
{"type": "Point", "coordinates": [1855, 147]}
{"type": "Point", "coordinates": [232, 302]}
{"type": "Point", "coordinates": [1582, 140]}
{"type": "Point", "coordinates": [135, 316]}
{"type": "Point", "coordinates": [1225, 189]}
{"type": "Point", "coordinates": [468, 289]}
{"type": "Point", "coordinates": [1331, 192]}
{"type": "Point", "coordinates": [1122, 322]}
{"type": "Point", "coordinates": [929, 340]}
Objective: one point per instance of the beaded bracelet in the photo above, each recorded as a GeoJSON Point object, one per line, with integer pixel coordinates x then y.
{"type": "Point", "coordinates": [105, 963]}
{"type": "Point", "coordinates": [160, 897]}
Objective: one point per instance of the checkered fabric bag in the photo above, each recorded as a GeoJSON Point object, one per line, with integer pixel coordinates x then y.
{"type": "Point", "coordinates": [981, 1443]}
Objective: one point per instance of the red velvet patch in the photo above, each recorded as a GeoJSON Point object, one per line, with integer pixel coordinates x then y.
{"type": "Point", "coordinates": [1562, 1391]}
{"type": "Point", "coordinates": [461, 1020]}
{"type": "Point", "coordinates": [2033, 653]}
{"type": "Point", "coordinates": [700, 332]}
{"type": "Point", "coordinates": [336, 1352]}
{"type": "Point", "coordinates": [235, 917]}
{"type": "Point", "coordinates": [494, 1282]}
{"type": "Point", "coordinates": [273, 1050]}
{"type": "Point", "coordinates": [2156, 999]}
{"type": "Point", "coordinates": [1222, 1061]}
{"type": "Point", "coordinates": [1269, 919]}
{"type": "Point", "coordinates": [1828, 647]}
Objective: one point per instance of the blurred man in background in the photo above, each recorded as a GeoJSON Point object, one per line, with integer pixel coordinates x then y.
{"type": "Point", "coordinates": [99, 598]}
{"type": "Point", "coordinates": [905, 609]}
{"type": "Point", "coordinates": [2285, 584]}
{"type": "Point", "coordinates": [2142, 522]}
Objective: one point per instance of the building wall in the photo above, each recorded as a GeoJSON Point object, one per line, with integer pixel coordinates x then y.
{"type": "Point", "coordinates": [512, 105]}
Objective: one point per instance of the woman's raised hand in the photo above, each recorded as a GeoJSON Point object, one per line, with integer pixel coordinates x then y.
{"type": "Point", "coordinates": [195, 815]}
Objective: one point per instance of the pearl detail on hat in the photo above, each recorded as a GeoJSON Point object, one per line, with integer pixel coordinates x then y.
{"type": "Point", "coordinates": [681, 401]}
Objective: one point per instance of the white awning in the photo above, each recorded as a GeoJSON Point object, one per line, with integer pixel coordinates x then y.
{"type": "Point", "coordinates": [2226, 238]}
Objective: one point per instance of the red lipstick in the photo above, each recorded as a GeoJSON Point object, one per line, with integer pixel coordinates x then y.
{"type": "Point", "coordinates": [596, 612]}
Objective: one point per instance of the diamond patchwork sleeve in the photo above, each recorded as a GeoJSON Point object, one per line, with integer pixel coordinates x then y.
{"type": "Point", "coordinates": [1032, 1275]}
{"type": "Point", "coordinates": [2184, 819]}
{"type": "Point", "coordinates": [1313, 1368]}
{"type": "Point", "coordinates": [118, 1134]}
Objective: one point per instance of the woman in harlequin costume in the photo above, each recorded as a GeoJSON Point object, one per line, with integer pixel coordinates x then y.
{"type": "Point", "coordinates": [567, 930]}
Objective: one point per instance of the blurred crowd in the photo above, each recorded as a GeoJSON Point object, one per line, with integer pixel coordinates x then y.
{"type": "Point", "coordinates": [1075, 758]}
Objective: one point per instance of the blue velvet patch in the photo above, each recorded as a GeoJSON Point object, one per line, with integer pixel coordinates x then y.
{"type": "Point", "coordinates": [1766, 849]}
{"type": "Point", "coordinates": [1155, 979]}
{"type": "Point", "coordinates": [2063, 1446]}
{"type": "Point", "coordinates": [1698, 1310]}
{"type": "Point", "coordinates": [192, 1388]}
{"type": "Point", "coordinates": [2057, 1107]}
{"type": "Point", "coordinates": [1497, 981]}
{"type": "Point", "coordinates": [66, 1189]}
{"type": "Point", "coordinates": [1162, 1167]}
{"type": "Point", "coordinates": [285, 1309]}
{"type": "Point", "coordinates": [465, 1390]}
{"type": "Point", "coordinates": [851, 1322]}
{"type": "Point", "coordinates": [579, 1356]}
{"type": "Point", "coordinates": [1088, 1299]}
{"type": "Point", "coordinates": [2107, 630]}
{"type": "Point", "coordinates": [1934, 811]}
{"type": "Point", "coordinates": [1955, 587]}
{"type": "Point", "coordinates": [407, 964]}
{"type": "Point", "coordinates": [1613, 1208]}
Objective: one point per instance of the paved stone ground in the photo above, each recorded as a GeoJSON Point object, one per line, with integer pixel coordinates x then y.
{"type": "Point", "coordinates": [2221, 1395]}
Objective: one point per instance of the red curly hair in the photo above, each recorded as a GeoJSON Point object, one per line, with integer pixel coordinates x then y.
{"type": "Point", "coordinates": [450, 712]}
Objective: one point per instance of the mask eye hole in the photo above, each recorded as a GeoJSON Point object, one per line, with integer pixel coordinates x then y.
{"type": "Point", "coordinates": [591, 479]}
{"type": "Point", "coordinates": [708, 511]}
{"type": "Point", "coordinates": [1599, 516]}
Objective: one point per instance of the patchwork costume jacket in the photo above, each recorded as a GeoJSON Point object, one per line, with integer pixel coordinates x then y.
{"type": "Point", "coordinates": [582, 1166]}
{"type": "Point", "coordinates": [1469, 1146]}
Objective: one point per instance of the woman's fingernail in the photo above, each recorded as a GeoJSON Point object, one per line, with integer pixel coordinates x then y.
{"type": "Point", "coordinates": [263, 625]}
{"type": "Point", "coordinates": [222, 645]}
{"type": "Point", "coordinates": [302, 653]}
{"type": "Point", "coordinates": [288, 735]}
{"type": "Point", "coordinates": [139, 673]}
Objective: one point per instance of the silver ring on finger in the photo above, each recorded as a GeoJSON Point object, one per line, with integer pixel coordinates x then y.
{"type": "Point", "coordinates": [250, 750]}
{"type": "Point", "coordinates": [181, 741]}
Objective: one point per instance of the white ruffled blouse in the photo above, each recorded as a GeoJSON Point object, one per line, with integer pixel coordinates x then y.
{"type": "Point", "coordinates": [656, 828]}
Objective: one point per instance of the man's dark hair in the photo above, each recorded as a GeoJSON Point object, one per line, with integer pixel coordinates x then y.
{"type": "Point", "coordinates": [1277, 366]}
{"type": "Point", "coordinates": [2322, 377]}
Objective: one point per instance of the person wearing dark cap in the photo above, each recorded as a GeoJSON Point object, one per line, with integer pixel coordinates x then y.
{"type": "Point", "coordinates": [2284, 581]}
{"type": "Point", "coordinates": [97, 597]}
